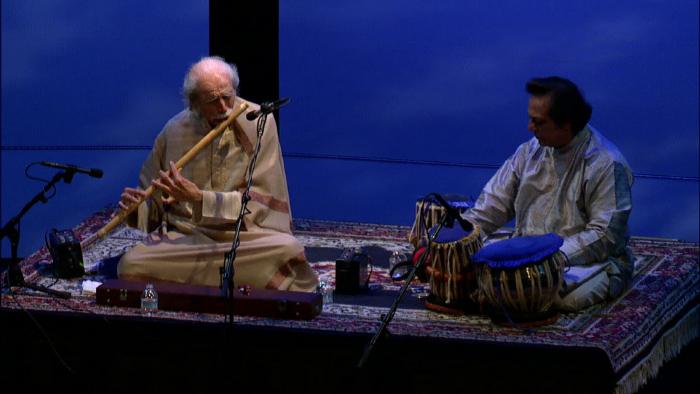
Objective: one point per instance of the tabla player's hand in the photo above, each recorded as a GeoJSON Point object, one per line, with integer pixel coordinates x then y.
{"type": "Point", "coordinates": [176, 186]}
{"type": "Point", "coordinates": [129, 197]}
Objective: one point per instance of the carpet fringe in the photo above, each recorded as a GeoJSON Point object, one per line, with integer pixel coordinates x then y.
{"type": "Point", "coordinates": [668, 347]}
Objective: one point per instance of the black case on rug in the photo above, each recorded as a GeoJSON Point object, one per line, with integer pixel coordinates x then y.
{"type": "Point", "coordinates": [66, 253]}
{"type": "Point", "coordinates": [351, 275]}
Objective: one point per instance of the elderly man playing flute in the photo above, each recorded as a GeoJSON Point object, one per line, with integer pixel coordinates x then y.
{"type": "Point", "coordinates": [192, 213]}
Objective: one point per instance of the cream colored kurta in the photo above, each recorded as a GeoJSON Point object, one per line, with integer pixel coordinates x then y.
{"type": "Point", "coordinates": [193, 250]}
{"type": "Point", "coordinates": [581, 192]}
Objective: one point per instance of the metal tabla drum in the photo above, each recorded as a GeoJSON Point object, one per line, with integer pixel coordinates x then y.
{"type": "Point", "coordinates": [519, 278]}
{"type": "Point", "coordinates": [429, 212]}
{"type": "Point", "coordinates": [451, 274]}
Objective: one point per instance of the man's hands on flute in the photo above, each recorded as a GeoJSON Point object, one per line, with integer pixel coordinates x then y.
{"type": "Point", "coordinates": [174, 186]}
{"type": "Point", "coordinates": [129, 197]}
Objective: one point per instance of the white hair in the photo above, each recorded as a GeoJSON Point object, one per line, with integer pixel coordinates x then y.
{"type": "Point", "coordinates": [205, 66]}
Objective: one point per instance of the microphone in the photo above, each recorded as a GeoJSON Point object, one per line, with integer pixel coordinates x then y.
{"type": "Point", "coordinates": [93, 172]}
{"type": "Point", "coordinates": [453, 214]}
{"type": "Point", "coordinates": [266, 108]}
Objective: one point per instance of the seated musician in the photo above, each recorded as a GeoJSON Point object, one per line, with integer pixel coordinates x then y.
{"type": "Point", "coordinates": [196, 208]}
{"type": "Point", "coordinates": [571, 181]}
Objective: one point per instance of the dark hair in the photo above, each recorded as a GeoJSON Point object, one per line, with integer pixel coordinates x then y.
{"type": "Point", "coordinates": [567, 102]}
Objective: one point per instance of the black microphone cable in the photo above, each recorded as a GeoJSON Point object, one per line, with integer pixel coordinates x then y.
{"type": "Point", "coordinates": [35, 178]}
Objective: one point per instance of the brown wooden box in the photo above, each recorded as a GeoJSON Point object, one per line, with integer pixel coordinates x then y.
{"type": "Point", "coordinates": [178, 297]}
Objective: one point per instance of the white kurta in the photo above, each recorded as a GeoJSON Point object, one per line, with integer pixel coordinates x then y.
{"type": "Point", "coordinates": [581, 192]}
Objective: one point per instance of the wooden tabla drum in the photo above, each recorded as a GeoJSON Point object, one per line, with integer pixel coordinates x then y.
{"type": "Point", "coordinates": [449, 270]}
{"type": "Point", "coordinates": [429, 212]}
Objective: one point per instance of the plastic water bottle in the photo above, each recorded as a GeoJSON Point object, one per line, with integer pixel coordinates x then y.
{"type": "Point", "coordinates": [394, 259]}
{"type": "Point", "coordinates": [149, 299]}
{"type": "Point", "coordinates": [326, 292]}
{"type": "Point", "coordinates": [347, 254]}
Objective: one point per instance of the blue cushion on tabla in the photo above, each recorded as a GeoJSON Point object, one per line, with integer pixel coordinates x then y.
{"type": "Point", "coordinates": [519, 251]}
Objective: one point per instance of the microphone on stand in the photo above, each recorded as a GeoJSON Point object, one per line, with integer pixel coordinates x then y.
{"type": "Point", "coordinates": [453, 214]}
{"type": "Point", "coordinates": [266, 108]}
{"type": "Point", "coordinates": [93, 172]}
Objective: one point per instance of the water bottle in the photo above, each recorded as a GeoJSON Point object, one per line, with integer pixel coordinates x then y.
{"type": "Point", "coordinates": [149, 299]}
{"type": "Point", "coordinates": [347, 254]}
{"type": "Point", "coordinates": [394, 259]}
{"type": "Point", "coordinates": [326, 292]}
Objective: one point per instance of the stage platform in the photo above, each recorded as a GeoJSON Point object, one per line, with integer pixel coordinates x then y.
{"type": "Point", "coordinates": [616, 347]}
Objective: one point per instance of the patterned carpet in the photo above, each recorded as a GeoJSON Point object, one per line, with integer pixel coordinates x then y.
{"type": "Point", "coordinates": [641, 330]}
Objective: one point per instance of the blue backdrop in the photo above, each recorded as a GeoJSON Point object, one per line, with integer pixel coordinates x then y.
{"type": "Point", "coordinates": [369, 81]}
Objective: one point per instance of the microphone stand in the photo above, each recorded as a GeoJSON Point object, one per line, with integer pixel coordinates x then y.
{"type": "Point", "coordinates": [227, 271]}
{"type": "Point", "coordinates": [386, 319]}
{"type": "Point", "coordinates": [10, 230]}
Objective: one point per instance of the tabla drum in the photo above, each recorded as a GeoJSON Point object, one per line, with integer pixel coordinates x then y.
{"type": "Point", "coordinates": [428, 213]}
{"type": "Point", "coordinates": [519, 278]}
{"type": "Point", "coordinates": [451, 275]}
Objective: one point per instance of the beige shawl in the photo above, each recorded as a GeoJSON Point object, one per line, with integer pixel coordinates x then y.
{"type": "Point", "coordinates": [219, 170]}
